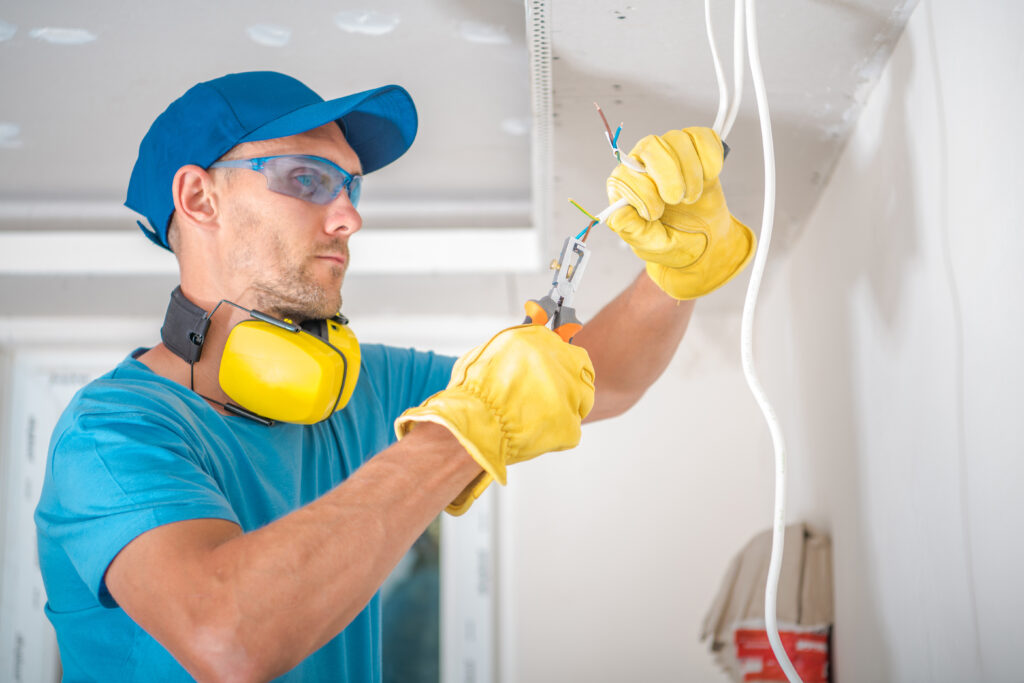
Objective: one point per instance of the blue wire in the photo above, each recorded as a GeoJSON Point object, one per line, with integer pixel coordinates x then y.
{"type": "Point", "coordinates": [584, 230]}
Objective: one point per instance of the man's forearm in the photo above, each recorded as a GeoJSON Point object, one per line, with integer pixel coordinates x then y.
{"type": "Point", "coordinates": [324, 562]}
{"type": "Point", "coordinates": [252, 606]}
{"type": "Point", "coordinates": [631, 341]}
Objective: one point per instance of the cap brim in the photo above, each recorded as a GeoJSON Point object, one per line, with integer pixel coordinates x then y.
{"type": "Point", "coordinates": [379, 124]}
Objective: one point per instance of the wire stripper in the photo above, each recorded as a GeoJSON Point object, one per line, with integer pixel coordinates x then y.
{"type": "Point", "coordinates": [555, 309]}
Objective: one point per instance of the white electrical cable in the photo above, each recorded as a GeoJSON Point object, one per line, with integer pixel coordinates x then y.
{"type": "Point", "coordinates": [724, 109]}
{"type": "Point", "coordinates": [603, 216]}
{"type": "Point", "coordinates": [738, 26]}
{"type": "Point", "coordinates": [723, 91]}
{"type": "Point", "coordinates": [745, 20]}
{"type": "Point", "coordinates": [747, 352]}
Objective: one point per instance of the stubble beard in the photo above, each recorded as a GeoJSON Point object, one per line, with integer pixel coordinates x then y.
{"type": "Point", "coordinates": [290, 290]}
{"type": "Point", "coordinates": [296, 296]}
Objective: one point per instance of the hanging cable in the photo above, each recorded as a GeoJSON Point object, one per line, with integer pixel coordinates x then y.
{"type": "Point", "coordinates": [724, 118]}
{"type": "Point", "coordinates": [745, 20]}
{"type": "Point", "coordinates": [747, 352]}
{"type": "Point", "coordinates": [738, 25]}
{"type": "Point", "coordinates": [723, 88]}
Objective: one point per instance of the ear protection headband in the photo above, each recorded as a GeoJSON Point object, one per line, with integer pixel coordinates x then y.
{"type": "Point", "coordinates": [274, 370]}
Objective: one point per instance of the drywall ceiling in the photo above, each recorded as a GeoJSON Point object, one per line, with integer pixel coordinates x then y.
{"type": "Point", "coordinates": [82, 81]}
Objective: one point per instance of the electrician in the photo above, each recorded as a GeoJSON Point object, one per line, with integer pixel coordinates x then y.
{"type": "Point", "coordinates": [226, 504]}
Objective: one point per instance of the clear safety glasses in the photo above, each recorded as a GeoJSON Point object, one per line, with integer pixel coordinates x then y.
{"type": "Point", "coordinates": [313, 179]}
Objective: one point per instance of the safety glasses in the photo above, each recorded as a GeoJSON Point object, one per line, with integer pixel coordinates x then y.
{"type": "Point", "coordinates": [313, 179]}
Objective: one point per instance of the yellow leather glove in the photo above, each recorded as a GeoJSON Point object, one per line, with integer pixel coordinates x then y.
{"type": "Point", "coordinates": [523, 393]}
{"type": "Point", "coordinates": [677, 220]}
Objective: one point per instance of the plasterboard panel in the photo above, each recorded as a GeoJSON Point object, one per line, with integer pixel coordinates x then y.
{"type": "Point", "coordinates": [75, 112]}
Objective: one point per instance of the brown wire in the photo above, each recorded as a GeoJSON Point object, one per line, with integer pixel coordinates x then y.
{"type": "Point", "coordinates": [607, 128]}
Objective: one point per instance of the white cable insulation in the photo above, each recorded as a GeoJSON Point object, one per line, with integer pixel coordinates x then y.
{"type": "Point", "coordinates": [738, 25]}
{"type": "Point", "coordinates": [745, 18]}
{"type": "Point", "coordinates": [632, 164]}
{"type": "Point", "coordinates": [747, 352]}
{"type": "Point", "coordinates": [603, 216]}
{"type": "Point", "coordinates": [723, 88]}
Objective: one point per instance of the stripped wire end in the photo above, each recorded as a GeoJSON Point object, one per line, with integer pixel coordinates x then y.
{"type": "Point", "coordinates": [585, 212]}
{"type": "Point", "coordinates": [585, 232]}
{"type": "Point", "coordinates": [594, 220]}
{"type": "Point", "coordinates": [612, 138]}
{"type": "Point", "coordinates": [613, 142]}
{"type": "Point", "coordinates": [607, 128]}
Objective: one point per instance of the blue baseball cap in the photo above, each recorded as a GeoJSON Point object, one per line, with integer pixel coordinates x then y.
{"type": "Point", "coordinates": [212, 117]}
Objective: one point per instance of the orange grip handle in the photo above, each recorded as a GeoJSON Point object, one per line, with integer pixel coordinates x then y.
{"type": "Point", "coordinates": [535, 313]}
{"type": "Point", "coordinates": [567, 331]}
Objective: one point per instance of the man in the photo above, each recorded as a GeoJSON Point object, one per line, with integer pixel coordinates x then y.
{"type": "Point", "coordinates": [182, 531]}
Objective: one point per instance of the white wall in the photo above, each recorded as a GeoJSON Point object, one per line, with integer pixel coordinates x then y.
{"type": "Point", "coordinates": [619, 546]}
{"type": "Point", "coordinates": [886, 338]}
{"type": "Point", "coordinates": [901, 313]}
{"type": "Point", "coordinates": [41, 371]}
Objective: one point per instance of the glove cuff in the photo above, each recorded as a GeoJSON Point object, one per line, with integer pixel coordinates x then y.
{"type": "Point", "coordinates": [469, 494]}
{"type": "Point", "coordinates": [463, 412]}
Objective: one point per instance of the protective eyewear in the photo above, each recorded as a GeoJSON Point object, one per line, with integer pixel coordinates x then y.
{"type": "Point", "coordinates": [313, 179]}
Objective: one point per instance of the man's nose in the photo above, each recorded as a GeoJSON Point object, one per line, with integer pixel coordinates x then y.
{"type": "Point", "coordinates": [342, 216]}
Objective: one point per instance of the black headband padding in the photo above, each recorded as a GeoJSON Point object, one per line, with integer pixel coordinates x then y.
{"type": "Point", "coordinates": [317, 328]}
{"type": "Point", "coordinates": [185, 326]}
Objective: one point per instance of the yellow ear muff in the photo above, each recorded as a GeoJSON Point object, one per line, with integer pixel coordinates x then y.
{"type": "Point", "coordinates": [289, 376]}
{"type": "Point", "coordinates": [344, 339]}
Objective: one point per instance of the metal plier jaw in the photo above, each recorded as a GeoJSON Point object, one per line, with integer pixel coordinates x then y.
{"type": "Point", "coordinates": [555, 309]}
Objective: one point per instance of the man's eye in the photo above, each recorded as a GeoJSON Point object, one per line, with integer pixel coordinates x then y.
{"type": "Point", "coordinates": [306, 178]}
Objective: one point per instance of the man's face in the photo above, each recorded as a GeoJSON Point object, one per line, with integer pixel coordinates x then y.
{"type": "Point", "coordinates": [288, 253]}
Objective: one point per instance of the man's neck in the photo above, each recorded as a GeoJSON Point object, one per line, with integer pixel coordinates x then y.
{"type": "Point", "coordinates": [203, 376]}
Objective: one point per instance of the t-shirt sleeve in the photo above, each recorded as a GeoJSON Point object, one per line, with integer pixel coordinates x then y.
{"type": "Point", "coordinates": [114, 476]}
{"type": "Point", "coordinates": [403, 378]}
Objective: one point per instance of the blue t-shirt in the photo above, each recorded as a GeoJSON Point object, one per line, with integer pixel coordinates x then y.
{"type": "Point", "coordinates": [134, 451]}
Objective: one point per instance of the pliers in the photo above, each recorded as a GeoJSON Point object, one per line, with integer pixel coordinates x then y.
{"type": "Point", "coordinates": [555, 309]}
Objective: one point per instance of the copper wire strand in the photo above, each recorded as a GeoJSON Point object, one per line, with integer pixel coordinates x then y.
{"type": "Point", "coordinates": [607, 128]}
{"type": "Point", "coordinates": [613, 138]}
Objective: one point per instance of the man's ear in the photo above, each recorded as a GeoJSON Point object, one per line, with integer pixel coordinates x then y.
{"type": "Point", "coordinates": [194, 198]}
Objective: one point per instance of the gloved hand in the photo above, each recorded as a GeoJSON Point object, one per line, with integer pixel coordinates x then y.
{"type": "Point", "coordinates": [677, 220]}
{"type": "Point", "coordinates": [523, 393]}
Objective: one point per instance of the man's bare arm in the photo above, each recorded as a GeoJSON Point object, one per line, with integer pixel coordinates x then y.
{"type": "Point", "coordinates": [234, 606]}
{"type": "Point", "coordinates": [631, 341]}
